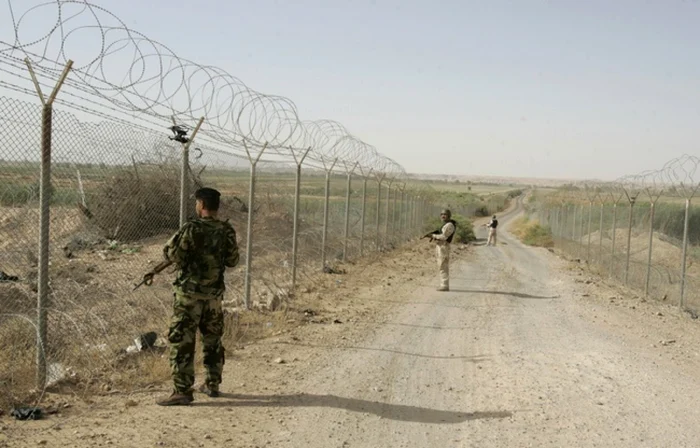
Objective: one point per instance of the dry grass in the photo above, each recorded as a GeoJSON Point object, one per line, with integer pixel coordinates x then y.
{"type": "Point", "coordinates": [94, 314]}
{"type": "Point", "coordinates": [531, 232]}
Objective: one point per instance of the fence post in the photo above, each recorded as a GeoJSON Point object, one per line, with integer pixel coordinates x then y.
{"type": "Point", "coordinates": [249, 230]}
{"type": "Point", "coordinates": [600, 231]}
{"type": "Point", "coordinates": [590, 216]}
{"type": "Point", "coordinates": [573, 230]}
{"type": "Point", "coordinates": [684, 255]}
{"type": "Point", "coordinates": [408, 229]}
{"type": "Point", "coordinates": [325, 210]}
{"type": "Point", "coordinates": [419, 210]}
{"type": "Point", "coordinates": [632, 200]}
{"type": "Point", "coordinates": [297, 194]}
{"type": "Point", "coordinates": [364, 204]}
{"type": "Point", "coordinates": [394, 224]}
{"type": "Point", "coordinates": [386, 214]}
{"type": "Point", "coordinates": [380, 178]}
{"type": "Point", "coordinates": [580, 234]}
{"type": "Point", "coordinates": [410, 221]}
{"type": "Point", "coordinates": [652, 212]}
{"type": "Point", "coordinates": [612, 250]}
{"type": "Point", "coordinates": [44, 219]}
{"type": "Point", "coordinates": [184, 171]}
{"type": "Point", "coordinates": [402, 211]}
{"type": "Point", "coordinates": [347, 209]}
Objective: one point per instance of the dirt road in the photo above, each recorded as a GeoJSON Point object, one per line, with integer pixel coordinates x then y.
{"type": "Point", "coordinates": [524, 351]}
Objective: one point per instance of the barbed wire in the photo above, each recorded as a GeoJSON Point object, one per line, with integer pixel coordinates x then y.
{"type": "Point", "coordinates": [130, 73]}
{"type": "Point", "coordinates": [677, 177]}
{"type": "Point", "coordinates": [672, 228]}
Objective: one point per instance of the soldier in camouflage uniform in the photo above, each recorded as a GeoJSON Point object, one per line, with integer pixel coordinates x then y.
{"type": "Point", "coordinates": [202, 249]}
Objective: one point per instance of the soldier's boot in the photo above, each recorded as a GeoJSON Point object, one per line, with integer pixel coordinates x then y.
{"type": "Point", "coordinates": [176, 399]}
{"type": "Point", "coordinates": [444, 288]}
{"type": "Point", "coordinates": [209, 390]}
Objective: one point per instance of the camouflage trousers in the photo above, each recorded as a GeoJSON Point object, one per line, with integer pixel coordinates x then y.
{"type": "Point", "coordinates": [190, 314]}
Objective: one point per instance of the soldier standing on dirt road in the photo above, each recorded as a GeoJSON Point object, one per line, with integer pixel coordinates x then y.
{"type": "Point", "coordinates": [493, 236]}
{"type": "Point", "coordinates": [202, 249]}
{"type": "Point", "coordinates": [443, 238]}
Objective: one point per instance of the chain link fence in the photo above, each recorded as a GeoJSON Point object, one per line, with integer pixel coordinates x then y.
{"type": "Point", "coordinates": [114, 200]}
{"type": "Point", "coordinates": [643, 231]}
{"type": "Point", "coordinates": [99, 163]}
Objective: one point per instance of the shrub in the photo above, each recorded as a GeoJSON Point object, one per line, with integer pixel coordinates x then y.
{"type": "Point", "coordinates": [130, 206]}
{"type": "Point", "coordinates": [532, 233]}
{"type": "Point", "coordinates": [482, 211]}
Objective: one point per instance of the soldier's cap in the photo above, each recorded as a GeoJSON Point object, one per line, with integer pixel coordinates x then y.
{"type": "Point", "coordinates": [446, 212]}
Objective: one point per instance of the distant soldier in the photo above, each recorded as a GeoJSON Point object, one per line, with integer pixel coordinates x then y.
{"type": "Point", "coordinates": [202, 249]}
{"type": "Point", "coordinates": [443, 238]}
{"type": "Point", "coordinates": [493, 236]}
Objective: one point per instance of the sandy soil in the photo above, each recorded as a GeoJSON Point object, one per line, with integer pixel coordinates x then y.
{"type": "Point", "coordinates": [527, 350]}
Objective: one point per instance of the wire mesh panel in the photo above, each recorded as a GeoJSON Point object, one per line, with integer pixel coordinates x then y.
{"type": "Point", "coordinates": [645, 231]}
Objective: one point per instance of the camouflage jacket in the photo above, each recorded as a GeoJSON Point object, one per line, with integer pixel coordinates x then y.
{"type": "Point", "coordinates": [202, 249]}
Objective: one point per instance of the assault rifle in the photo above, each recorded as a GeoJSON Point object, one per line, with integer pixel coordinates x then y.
{"type": "Point", "coordinates": [429, 234]}
{"type": "Point", "coordinates": [148, 277]}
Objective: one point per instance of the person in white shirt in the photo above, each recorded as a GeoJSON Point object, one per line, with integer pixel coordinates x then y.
{"type": "Point", "coordinates": [493, 236]}
{"type": "Point", "coordinates": [443, 240]}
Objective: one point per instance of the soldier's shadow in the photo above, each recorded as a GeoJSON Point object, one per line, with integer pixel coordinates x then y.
{"type": "Point", "coordinates": [385, 410]}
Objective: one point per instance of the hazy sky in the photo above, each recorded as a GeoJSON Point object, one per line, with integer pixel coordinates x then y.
{"type": "Point", "coordinates": [583, 89]}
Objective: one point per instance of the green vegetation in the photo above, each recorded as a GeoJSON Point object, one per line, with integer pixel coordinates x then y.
{"type": "Point", "coordinates": [532, 233]}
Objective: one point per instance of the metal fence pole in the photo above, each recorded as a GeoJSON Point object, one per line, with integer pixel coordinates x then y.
{"type": "Point", "coordinates": [410, 206]}
{"type": "Point", "coordinates": [590, 216]}
{"type": "Point", "coordinates": [580, 234]}
{"type": "Point", "coordinates": [652, 212]}
{"type": "Point", "coordinates": [364, 204]}
{"type": "Point", "coordinates": [418, 211]}
{"type": "Point", "coordinates": [402, 217]}
{"type": "Point", "coordinates": [600, 233]}
{"type": "Point", "coordinates": [573, 230]}
{"type": "Point", "coordinates": [394, 222]}
{"type": "Point", "coordinates": [325, 211]}
{"type": "Point", "coordinates": [612, 250]}
{"type": "Point", "coordinates": [295, 231]}
{"type": "Point", "coordinates": [347, 211]}
{"type": "Point", "coordinates": [411, 212]}
{"type": "Point", "coordinates": [184, 172]}
{"type": "Point", "coordinates": [380, 178]}
{"type": "Point", "coordinates": [684, 255]}
{"type": "Point", "coordinates": [629, 239]}
{"type": "Point", "coordinates": [386, 213]}
{"type": "Point", "coordinates": [44, 220]}
{"type": "Point", "coordinates": [249, 230]}
{"type": "Point", "coordinates": [419, 206]}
